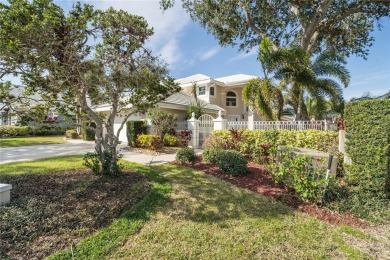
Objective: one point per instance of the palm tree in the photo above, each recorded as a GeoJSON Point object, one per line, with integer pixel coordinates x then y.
{"type": "Point", "coordinates": [305, 77]}
{"type": "Point", "coordinates": [264, 97]}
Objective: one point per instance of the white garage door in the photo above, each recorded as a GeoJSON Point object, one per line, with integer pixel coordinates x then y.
{"type": "Point", "coordinates": [117, 124]}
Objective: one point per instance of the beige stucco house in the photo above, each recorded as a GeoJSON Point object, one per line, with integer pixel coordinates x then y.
{"type": "Point", "coordinates": [220, 94]}
{"type": "Point", "coordinates": [225, 92]}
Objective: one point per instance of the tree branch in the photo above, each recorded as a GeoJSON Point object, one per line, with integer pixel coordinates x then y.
{"type": "Point", "coordinates": [310, 29]}
{"type": "Point", "coordinates": [251, 25]}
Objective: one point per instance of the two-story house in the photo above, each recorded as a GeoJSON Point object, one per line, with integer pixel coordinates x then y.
{"type": "Point", "coordinates": [220, 94]}
{"type": "Point", "coordinates": [225, 92]}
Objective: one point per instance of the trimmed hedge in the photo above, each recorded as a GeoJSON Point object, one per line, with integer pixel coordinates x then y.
{"type": "Point", "coordinates": [367, 125]}
{"type": "Point", "coordinates": [134, 128]}
{"type": "Point", "coordinates": [42, 130]}
{"type": "Point", "coordinates": [250, 140]}
{"type": "Point", "coordinates": [86, 133]}
{"type": "Point", "coordinates": [11, 131]}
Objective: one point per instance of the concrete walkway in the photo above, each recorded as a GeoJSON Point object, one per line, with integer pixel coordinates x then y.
{"type": "Point", "coordinates": [73, 147]}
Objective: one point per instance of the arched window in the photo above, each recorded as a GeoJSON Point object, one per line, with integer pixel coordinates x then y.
{"type": "Point", "coordinates": [231, 99]}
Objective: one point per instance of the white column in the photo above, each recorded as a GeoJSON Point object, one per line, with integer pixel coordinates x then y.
{"type": "Point", "coordinates": [219, 123]}
{"type": "Point", "coordinates": [193, 125]}
{"type": "Point", "coordinates": [251, 120]}
{"type": "Point", "coordinates": [342, 141]}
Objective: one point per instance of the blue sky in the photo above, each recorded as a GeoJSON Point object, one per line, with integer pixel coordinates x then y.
{"type": "Point", "coordinates": [190, 50]}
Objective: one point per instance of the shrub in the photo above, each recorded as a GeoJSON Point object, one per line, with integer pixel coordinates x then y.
{"type": "Point", "coordinates": [170, 140]}
{"type": "Point", "coordinates": [11, 131]}
{"type": "Point", "coordinates": [302, 174]}
{"type": "Point", "coordinates": [91, 161]}
{"type": "Point", "coordinates": [250, 141]}
{"type": "Point", "coordinates": [161, 121]}
{"type": "Point", "coordinates": [71, 134]}
{"type": "Point", "coordinates": [211, 154]}
{"type": "Point", "coordinates": [134, 128]}
{"type": "Point", "coordinates": [88, 134]}
{"type": "Point", "coordinates": [325, 141]}
{"type": "Point", "coordinates": [185, 137]}
{"type": "Point", "coordinates": [367, 125]}
{"type": "Point", "coordinates": [41, 130]}
{"type": "Point", "coordinates": [47, 129]}
{"type": "Point", "coordinates": [153, 142]}
{"type": "Point", "coordinates": [231, 162]}
{"type": "Point", "coordinates": [186, 155]}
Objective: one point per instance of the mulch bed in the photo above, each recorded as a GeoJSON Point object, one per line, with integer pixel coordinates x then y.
{"type": "Point", "coordinates": [50, 212]}
{"type": "Point", "coordinates": [259, 181]}
{"type": "Point", "coordinates": [161, 151]}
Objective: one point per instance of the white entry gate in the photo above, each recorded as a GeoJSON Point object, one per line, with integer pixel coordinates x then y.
{"type": "Point", "coordinates": [206, 125]}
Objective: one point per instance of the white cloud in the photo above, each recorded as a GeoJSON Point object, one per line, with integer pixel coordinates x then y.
{"type": "Point", "coordinates": [170, 53]}
{"type": "Point", "coordinates": [370, 78]}
{"type": "Point", "coordinates": [209, 54]}
{"type": "Point", "coordinates": [168, 26]}
{"type": "Point", "coordinates": [244, 55]}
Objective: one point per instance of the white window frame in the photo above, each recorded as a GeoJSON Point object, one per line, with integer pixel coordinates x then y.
{"type": "Point", "coordinates": [205, 90]}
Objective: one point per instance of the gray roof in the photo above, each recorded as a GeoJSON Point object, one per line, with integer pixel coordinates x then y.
{"type": "Point", "coordinates": [178, 99]}
{"type": "Point", "coordinates": [184, 99]}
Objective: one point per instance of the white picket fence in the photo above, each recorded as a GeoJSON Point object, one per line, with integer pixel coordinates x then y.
{"type": "Point", "coordinates": [237, 125]}
{"type": "Point", "coordinates": [180, 125]}
{"type": "Point", "coordinates": [290, 125]}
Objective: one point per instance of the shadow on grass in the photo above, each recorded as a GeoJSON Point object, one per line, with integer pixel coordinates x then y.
{"type": "Point", "coordinates": [203, 198]}
{"type": "Point", "coordinates": [113, 236]}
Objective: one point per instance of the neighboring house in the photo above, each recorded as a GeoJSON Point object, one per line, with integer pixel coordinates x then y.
{"type": "Point", "coordinates": [225, 92]}
{"type": "Point", "coordinates": [7, 118]}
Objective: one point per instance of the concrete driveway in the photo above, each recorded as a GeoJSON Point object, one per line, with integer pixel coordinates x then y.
{"type": "Point", "coordinates": [26, 153]}
{"type": "Point", "coordinates": [73, 147]}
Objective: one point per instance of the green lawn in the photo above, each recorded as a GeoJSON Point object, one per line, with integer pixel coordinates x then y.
{"type": "Point", "coordinates": [35, 140]}
{"type": "Point", "coordinates": [42, 165]}
{"type": "Point", "coordinates": [191, 215]}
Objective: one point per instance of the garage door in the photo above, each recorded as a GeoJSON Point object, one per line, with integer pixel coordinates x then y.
{"type": "Point", "coordinates": [119, 120]}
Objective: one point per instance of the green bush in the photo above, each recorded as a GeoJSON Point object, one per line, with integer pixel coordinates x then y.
{"type": "Point", "coordinates": [135, 128]}
{"type": "Point", "coordinates": [303, 175]}
{"type": "Point", "coordinates": [367, 127]}
{"type": "Point", "coordinates": [153, 142]}
{"type": "Point", "coordinates": [92, 161]}
{"type": "Point", "coordinates": [11, 131]}
{"type": "Point", "coordinates": [47, 129]}
{"type": "Point", "coordinates": [250, 141]}
{"type": "Point", "coordinates": [325, 141]}
{"type": "Point", "coordinates": [162, 122]}
{"type": "Point", "coordinates": [41, 130]}
{"type": "Point", "coordinates": [231, 162]}
{"type": "Point", "coordinates": [211, 154]}
{"type": "Point", "coordinates": [87, 134]}
{"type": "Point", "coordinates": [170, 140]}
{"type": "Point", "coordinates": [71, 134]}
{"type": "Point", "coordinates": [186, 155]}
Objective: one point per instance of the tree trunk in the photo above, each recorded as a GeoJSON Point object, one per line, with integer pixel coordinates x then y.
{"type": "Point", "coordinates": [108, 156]}
{"type": "Point", "coordinates": [302, 110]}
